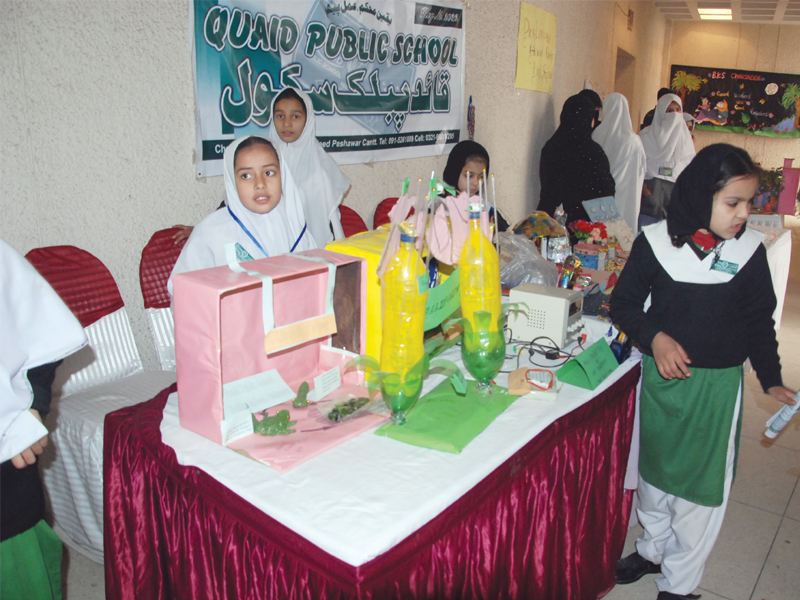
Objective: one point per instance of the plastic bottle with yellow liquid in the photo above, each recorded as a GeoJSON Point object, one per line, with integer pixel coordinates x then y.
{"type": "Point", "coordinates": [405, 291]}
{"type": "Point", "coordinates": [483, 347]}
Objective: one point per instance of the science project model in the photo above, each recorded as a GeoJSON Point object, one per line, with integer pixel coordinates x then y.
{"type": "Point", "coordinates": [483, 347]}
{"type": "Point", "coordinates": [405, 291]}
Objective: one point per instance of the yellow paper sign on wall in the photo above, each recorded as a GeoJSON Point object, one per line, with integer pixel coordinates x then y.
{"type": "Point", "coordinates": [536, 49]}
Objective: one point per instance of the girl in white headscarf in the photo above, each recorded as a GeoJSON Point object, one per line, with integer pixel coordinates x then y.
{"type": "Point", "coordinates": [321, 183]}
{"type": "Point", "coordinates": [37, 331]}
{"type": "Point", "coordinates": [669, 149]}
{"type": "Point", "coordinates": [263, 217]}
{"type": "Point", "coordinates": [625, 154]}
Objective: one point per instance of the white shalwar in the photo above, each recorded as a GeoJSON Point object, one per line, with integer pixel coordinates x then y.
{"type": "Point", "coordinates": [678, 534]}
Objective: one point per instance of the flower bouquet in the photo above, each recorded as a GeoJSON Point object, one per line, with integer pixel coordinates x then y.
{"type": "Point", "coordinates": [590, 233]}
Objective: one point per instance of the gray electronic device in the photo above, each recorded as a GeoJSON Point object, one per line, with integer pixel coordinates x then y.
{"type": "Point", "coordinates": [552, 312]}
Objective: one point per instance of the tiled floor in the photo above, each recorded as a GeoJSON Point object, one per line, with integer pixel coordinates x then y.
{"type": "Point", "coordinates": [757, 556]}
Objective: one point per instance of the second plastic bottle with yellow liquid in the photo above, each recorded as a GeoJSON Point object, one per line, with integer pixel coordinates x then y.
{"type": "Point", "coordinates": [483, 346]}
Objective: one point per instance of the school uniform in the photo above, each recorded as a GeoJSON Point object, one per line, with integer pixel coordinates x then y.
{"type": "Point", "coordinates": [668, 150]}
{"type": "Point", "coordinates": [283, 229]}
{"type": "Point", "coordinates": [625, 154]}
{"type": "Point", "coordinates": [718, 306]}
{"type": "Point", "coordinates": [321, 185]}
{"type": "Point", "coordinates": [37, 331]}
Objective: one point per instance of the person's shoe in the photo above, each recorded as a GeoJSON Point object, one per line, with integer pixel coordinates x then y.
{"type": "Point", "coordinates": [671, 596]}
{"type": "Point", "coordinates": [635, 566]}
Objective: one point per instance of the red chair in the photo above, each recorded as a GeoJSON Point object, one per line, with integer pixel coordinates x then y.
{"type": "Point", "coordinates": [381, 216]}
{"type": "Point", "coordinates": [100, 378]}
{"type": "Point", "coordinates": [158, 259]}
{"type": "Point", "coordinates": [352, 223]}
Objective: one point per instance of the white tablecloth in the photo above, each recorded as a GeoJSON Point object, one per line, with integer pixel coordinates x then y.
{"type": "Point", "coordinates": [361, 498]}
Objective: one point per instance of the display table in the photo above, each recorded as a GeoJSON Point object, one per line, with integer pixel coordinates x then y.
{"type": "Point", "coordinates": [548, 518]}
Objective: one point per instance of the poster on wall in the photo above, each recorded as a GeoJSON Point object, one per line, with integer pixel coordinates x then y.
{"type": "Point", "coordinates": [737, 101]}
{"type": "Point", "coordinates": [386, 78]}
{"type": "Point", "coordinates": [536, 49]}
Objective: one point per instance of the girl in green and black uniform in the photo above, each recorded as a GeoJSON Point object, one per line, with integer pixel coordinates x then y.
{"type": "Point", "coordinates": [710, 308]}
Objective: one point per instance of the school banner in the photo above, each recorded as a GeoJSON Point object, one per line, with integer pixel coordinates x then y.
{"type": "Point", "coordinates": [738, 101]}
{"type": "Point", "coordinates": [386, 77]}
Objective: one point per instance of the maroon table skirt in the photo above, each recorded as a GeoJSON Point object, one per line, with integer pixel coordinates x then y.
{"type": "Point", "coordinates": [550, 522]}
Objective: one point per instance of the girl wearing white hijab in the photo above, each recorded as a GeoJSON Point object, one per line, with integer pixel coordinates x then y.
{"type": "Point", "coordinates": [267, 222]}
{"type": "Point", "coordinates": [37, 331]}
{"type": "Point", "coordinates": [669, 149]}
{"type": "Point", "coordinates": [625, 154]}
{"type": "Point", "coordinates": [321, 183]}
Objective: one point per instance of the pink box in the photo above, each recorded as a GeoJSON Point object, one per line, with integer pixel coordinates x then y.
{"type": "Point", "coordinates": [219, 338]}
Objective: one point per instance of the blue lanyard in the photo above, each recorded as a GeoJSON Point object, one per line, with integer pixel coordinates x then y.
{"type": "Point", "coordinates": [247, 231]}
{"type": "Point", "coordinates": [255, 241]}
{"type": "Point", "coordinates": [299, 237]}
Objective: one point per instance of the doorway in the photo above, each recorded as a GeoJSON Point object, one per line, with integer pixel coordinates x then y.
{"type": "Point", "coordinates": [625, 77]}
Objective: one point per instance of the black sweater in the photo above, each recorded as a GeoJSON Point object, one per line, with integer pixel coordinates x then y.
{"type": "Point", "coordinates": [21, 492]}
{"type": "Point", "coordinates": [719, 325]}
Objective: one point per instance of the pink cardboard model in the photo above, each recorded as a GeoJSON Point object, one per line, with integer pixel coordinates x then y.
{"type": "Point", "coordinates": [226, 333]}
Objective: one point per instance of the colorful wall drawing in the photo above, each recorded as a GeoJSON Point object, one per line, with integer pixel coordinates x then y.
{"type": "Point", "coordinates": [753, 102]}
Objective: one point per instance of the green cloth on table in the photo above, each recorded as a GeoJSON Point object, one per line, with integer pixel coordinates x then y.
{"type": "Point", "coordinates": [443, 420]}
{"type": "Point", "coordinates": [30, 565]}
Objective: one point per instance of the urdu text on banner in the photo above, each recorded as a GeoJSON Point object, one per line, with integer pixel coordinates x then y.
{"type": "Point", "coordinates": [386, 77]}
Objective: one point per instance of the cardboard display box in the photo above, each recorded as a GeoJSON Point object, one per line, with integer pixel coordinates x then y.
{"type": "Point", "coordinates": [220, 334]}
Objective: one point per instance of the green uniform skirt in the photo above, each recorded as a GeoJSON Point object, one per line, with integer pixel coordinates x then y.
{"type": "Point", "coordinates": [685, 429]}
{"type": "Point", "coordinates": [30, 565]}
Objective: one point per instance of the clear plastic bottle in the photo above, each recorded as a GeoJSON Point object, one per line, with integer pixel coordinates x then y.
{"type": "Point", "coordinates": [403, 326]}
{"type": "Point", "coordinates": [781, 418]}
{"type": "Point", "coordinates": [479, 273]}
{"type": "Point", "coordinates": [483, 345]}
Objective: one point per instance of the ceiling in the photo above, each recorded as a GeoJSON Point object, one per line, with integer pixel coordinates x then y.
{"type": "Point", "coordinates": [775, 12]}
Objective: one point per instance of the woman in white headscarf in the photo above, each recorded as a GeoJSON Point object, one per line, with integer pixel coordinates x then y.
{"type": "Point", "coordinates": [669, 150]}
{"type": "Point", "coordinates": [321, 183]}
{"type": "Point", "coordinates": [625, 154]}
{"type": "Point", "coordinates": [255, 233]}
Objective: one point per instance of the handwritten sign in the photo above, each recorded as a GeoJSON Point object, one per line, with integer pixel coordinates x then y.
{"type": "Point", "coordinates": [536, 49]}
{"type": "Point", "coordinates": [590, 368]}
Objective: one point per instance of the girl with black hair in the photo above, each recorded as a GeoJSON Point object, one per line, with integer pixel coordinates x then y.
{"type": "Point", "coordinates": [711, 303]}
{"type": "Point", "coordinates": [320, 183]}
{"type": "Point", "coordinates": [469, 157]}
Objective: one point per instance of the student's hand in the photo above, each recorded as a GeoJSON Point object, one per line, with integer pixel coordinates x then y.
{"type": "Point", "coordinates": [646, 191]}
{"type": "Point", "coordinates": [28, 456]}
{"type": "Point", "coordinates": [782, 394]}
{"type": "Point", "coordinates": [183, 234]}
{"type": "Point", "coordinates": [671, 359]}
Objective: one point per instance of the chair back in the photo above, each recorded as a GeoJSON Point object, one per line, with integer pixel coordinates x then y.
{"type": "Point", "coordinates": [87, 287]}
{"type": "Point", "coordinates": [352, 223]}
{"type": "Point", "coordinates": [158, 259]}
{"type": "Point", "coordinates": [381, 216]}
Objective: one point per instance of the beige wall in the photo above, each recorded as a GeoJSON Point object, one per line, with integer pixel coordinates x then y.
{"type": "Point", "coordinates": [97, 118]}
{"type": "Point", "coordinates": [738, 46]}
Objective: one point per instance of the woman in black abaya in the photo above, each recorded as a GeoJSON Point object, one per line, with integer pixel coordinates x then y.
{"type": "Point", "coordinates": [573, 167]}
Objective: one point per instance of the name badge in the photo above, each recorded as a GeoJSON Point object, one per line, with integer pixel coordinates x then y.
{"type": "Point", "coordinates": [665, 171]}
{"type": "Point", "coordinates": [725, 267]}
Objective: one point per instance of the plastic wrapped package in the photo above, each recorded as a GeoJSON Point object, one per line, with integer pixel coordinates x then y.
{"type": "Point", "coordinates": [526, 265]}
{"type": "Point", "coordinates": [539, 224]}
